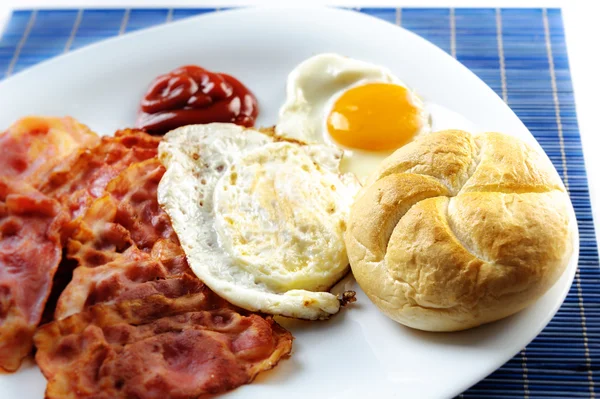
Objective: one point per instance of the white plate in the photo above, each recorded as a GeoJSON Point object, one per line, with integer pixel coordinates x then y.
{"type": "Point", "coordinates": [359, 353]}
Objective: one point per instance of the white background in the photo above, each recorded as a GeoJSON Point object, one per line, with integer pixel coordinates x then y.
{"type": "Point", "coordinates": [582, 26]}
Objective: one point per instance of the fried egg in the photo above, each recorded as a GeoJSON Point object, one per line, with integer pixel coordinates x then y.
{"type": "Point", "coordinates": [261, 221]}
{"type": "Point", "coordinates": [359, 107]}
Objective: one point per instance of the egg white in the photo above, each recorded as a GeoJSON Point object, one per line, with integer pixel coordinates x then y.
{"type": "Point", "coordinates": [261, 222]}
{"type": "Point", "coordinates": [312, 89]}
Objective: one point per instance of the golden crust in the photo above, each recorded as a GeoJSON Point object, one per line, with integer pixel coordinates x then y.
{"type": "Point", "coordinates": [455, 230]}
{"type": "Point", "coordinates": [509, 165]}
{"type": "Point", "coordinates": [449, 156]}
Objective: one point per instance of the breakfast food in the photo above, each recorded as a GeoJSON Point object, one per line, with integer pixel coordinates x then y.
{"type": "Point", "coordinates": [31, 241]}
{"type": "Point", "coordinates": [360, 107]}
{"type": "Point", "coordinates": [455, 230]}
{"type": "Point", "coordinates": [133, 320]}
{"type": "Point", "coordinates": [32, 146]}
{"type": "Point", "coordinates": [157, 347]}
{"type": "Point", "coordinates": [261, 221]}
{"type": "Point", "coordinates": [33, 226]}
{"type": "Point", "coordinates": [123, 244]}
{"type": "Point", "coordinates": [81, 178]}
{"type": "Point", "coordinates": [126, 215]}
{"type": "Point", "coordinates": [190, 95]}
{"type": "Point", "coordinates": [139, 266]}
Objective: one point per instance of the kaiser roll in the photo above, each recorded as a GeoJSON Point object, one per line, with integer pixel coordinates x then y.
{"type": "Point", "coordinates": [456, 230]}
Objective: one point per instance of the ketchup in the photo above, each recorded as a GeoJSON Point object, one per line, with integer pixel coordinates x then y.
{"type": "Point", "coordinates": [192, 95]}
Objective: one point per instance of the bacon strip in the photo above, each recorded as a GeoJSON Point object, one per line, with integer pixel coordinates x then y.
{"type": "Point", "coordinates": [32, 146]}
{"type": "Point", "coordinates": [134, 271]}
{"type": "Point", "coordinates": [79, 180]}
{"type": "Point", "coordinates": [30, 250]}
{"type": "Point", "coordinates": [123, 241]}
{"type": "Point", "coordinates": [126, 215]}
{"type": "Point", "coordinates": [157, 347]}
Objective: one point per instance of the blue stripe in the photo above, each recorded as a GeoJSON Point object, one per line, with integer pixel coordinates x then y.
{"type": "Point", "coordinates": [140, 19]}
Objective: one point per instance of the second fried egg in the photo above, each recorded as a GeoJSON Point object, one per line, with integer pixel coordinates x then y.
{"type": "Point", "coordinates": [261, 221]}
{"type": "Point", "coordinates": [360, 107]}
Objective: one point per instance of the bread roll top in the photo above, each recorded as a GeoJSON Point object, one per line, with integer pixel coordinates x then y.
{"type": "Point", "coordinates": [455, 230]}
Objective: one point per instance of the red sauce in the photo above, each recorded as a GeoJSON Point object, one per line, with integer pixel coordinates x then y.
{"type": "Point", "coordinates": [192, 95]}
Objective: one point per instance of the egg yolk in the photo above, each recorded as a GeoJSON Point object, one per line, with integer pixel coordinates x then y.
{"type": "Point", "coordinates": [375, 117]}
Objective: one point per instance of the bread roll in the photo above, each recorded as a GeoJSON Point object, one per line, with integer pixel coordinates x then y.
{"type": "Point", "coordinates": [454, 230]}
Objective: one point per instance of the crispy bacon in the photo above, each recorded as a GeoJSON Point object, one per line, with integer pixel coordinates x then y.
{"type": "Point", "coordinates": [132, 273]}
{"type": "Point", "coordinates": [124, 242]}
{"type": "Point", "coordinates": [30, 250]}
{"type": "Point", "coordinates": [79, 180]}
{"type": "Point", "coordinates": [32, 146]}
{"type": "Point", "coordinates": [157, 347]}
{"type": "Point", "coordinates": [134, 321]}
{"type": "Point", "coordinates": [127, 215]}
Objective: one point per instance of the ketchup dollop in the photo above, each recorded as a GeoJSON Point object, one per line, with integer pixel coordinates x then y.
{"type": "Point", "coordinates": [192, 95]}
